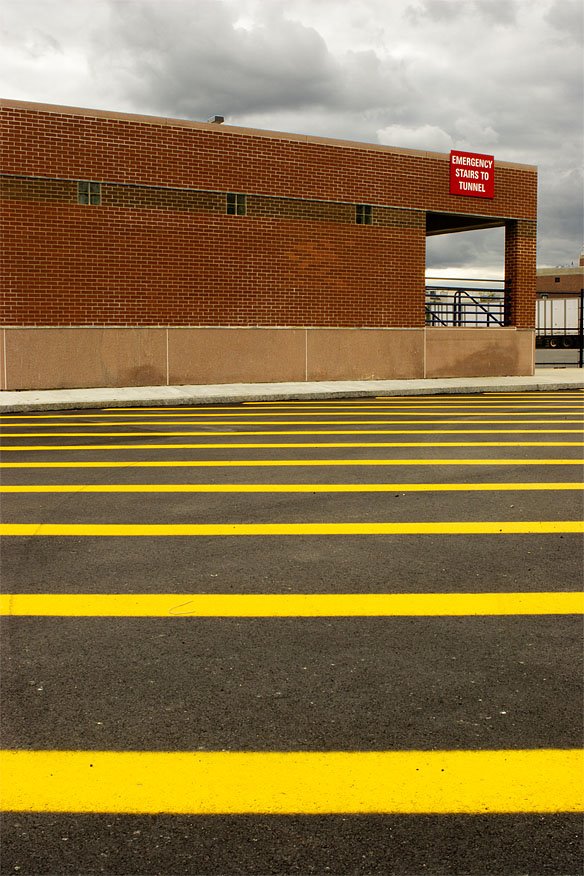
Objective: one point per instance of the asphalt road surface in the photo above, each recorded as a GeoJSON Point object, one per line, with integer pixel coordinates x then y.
{"type": "Point", "coordinates": [566, 358]}
{"type": "Point", "coordinates": [334, 637]}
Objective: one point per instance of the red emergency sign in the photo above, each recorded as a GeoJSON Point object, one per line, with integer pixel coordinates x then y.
{"type": "Point", "coordinates": [472, 174]}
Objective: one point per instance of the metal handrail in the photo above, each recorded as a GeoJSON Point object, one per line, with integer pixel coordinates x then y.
{"type": "Point", "coordinates": [434, 317]}
{"type": "Point", "coordinates": [478, 304]}
{"type": "Point", "coordinates": [457, 297]}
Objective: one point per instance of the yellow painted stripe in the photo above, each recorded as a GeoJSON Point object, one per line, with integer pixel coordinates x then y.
{"type": "Point", "coordinates": [239, 432]}
{"type": "Point", "coordinates": [293, 782]}
{"type": "Point", "coordinates": [233, 419]}
{"type": "Point", "coordinates": [536, 401]}
{"type": "Point", "coordinates": [233, 426]}
{"type": "Point", "coordinates": [290, 605]}
{"type": "Point", "coordinates": [479, 395]}
{"type": "Point", "coordinates": [492, 486]}
{"type": "Point", "coordinates": [388, 403]}
{"type": "Point", "coordinates": [486, 408]}
{"type": "Point", "coordinates": [276, 415]}
{"type": "Point", "coordinates": [553, 395]}
{"type": "Point", "coordinates": [353, 410]}
{"type": "Point", "coordinates": [483, 402]}
{"type": "Point", "coordinates": [289, 463]}
{"type": "Point", "coordinates": [274, 409]}
{"type": "Point", "coordinates": [282, 445]}
{"type": "Point", "coordinates": [488, 527]}
{"type": "Point", "coordinates": [230, 428]}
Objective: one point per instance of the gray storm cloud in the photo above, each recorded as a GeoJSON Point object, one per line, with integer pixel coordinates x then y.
{"type": "Point", "coordinates": [199, 56]}
{"type": "Point", "coordinates": [501, 76]}
{"type": "Point", "coordinates": [193, 59]}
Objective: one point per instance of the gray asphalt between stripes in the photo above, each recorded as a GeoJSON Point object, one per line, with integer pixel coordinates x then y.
{"type": "Point", "coordinates": [294, 684]}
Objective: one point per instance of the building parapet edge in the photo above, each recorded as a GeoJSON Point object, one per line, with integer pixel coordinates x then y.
{"type": "Point", "coordinates": [7, 103]}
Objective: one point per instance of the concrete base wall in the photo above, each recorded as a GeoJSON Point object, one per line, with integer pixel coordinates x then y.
{"type": "Point", "coordinates": [480, 352]}
{"type": "Point", "coordinates": [68, 358]}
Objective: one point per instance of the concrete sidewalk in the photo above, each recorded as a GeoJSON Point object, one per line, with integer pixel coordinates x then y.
{"type": "Point", "coordinates": [141, 396]}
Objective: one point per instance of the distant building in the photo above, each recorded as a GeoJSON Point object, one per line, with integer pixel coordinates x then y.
{"type": "Point", "coordinates": [565, 280]}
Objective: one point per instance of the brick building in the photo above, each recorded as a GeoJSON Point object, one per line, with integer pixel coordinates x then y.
{"type": "Point", "coordinates": [147, 251]}
{"type": "Point", "coordinates": [556, 281]}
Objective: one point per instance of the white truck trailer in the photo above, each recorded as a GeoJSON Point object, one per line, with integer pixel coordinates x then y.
{"type": "Point", "coordinates": [559, 321]}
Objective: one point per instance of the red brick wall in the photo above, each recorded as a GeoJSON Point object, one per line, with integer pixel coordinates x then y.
{"type": "Point", "coordinates": [160, 256]}
{"type": "Point", "coordinates": [210, 157]}
{"type": "Point", "coordinates": [520, 255]}
{"type": "Point", "coordinates": [73, 265]}
{"type": "Point", "coordinates": [568, 281]}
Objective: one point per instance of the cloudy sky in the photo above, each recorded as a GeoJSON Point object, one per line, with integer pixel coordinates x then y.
{"type": "Point", "coordinates": [495, 76]}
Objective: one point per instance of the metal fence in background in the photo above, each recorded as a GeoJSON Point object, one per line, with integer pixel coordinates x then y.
{"type": "Point", "coordinates": [559, 316]}
{"type": "Point", "coordinates": [469, 305]}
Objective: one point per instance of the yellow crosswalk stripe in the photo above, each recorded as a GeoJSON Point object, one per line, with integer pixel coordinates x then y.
{"type": "Point", "coordinates": [290, 605]}
{"type": "Point", "coordinates": [475, 398]}
{"type": "Point", "coordinates": [389, 402]}
{"type": "Point", "coordinates": [499, 411]}
{"type": "Point", "coordinates": [293, 782]}
{"type": "Point", "coordinates": [196, 415]}
{"type": "Point", "coordinates": [491, 486]}
{"type": "Point", "coordinates": [282, 445]}
{"type": "Point", "coordinates": [488, 527]}
{"type": "Point", "coordinates": [483, 398]}
{"type": "Point", "coordinates": [239, 432]}
{"type": "Point", "coordinates": [288, 463]}
{"type": "Point", "coordinates": [543, 408]}
{"type": "Point", "coordinates": [396, 410]}
{"type": "Point", "coordinates": [381, 419]}
{"type": "Point", "coordinates": [230, 428]}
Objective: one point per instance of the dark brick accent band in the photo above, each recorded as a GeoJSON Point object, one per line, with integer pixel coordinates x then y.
{"type": "Point", "coordinates": [164, 198]}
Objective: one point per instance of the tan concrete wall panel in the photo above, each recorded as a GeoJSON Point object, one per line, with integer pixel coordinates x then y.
{"type": "Point", "coordinates": [55, 358]}
{"type": "Point", "coordinates": [61, 358]}
{"type": "Point", "coordinates": [364, 354]}
{"type": "Point", "coordinates": [484, 352]}
{"type": "Point", "coordinates": [199, 355]}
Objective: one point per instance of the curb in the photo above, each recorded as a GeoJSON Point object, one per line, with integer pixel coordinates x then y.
{"type": "Point", "coordinates": [167, 396]}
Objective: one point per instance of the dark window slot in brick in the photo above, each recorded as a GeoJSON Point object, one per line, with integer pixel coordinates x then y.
{"type": "Point", "coordinates": [89, 193]}
{"type": "Point", "coordinates": [236, 205]}
{"type": "Point", "coordinates": [363, 214]}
